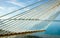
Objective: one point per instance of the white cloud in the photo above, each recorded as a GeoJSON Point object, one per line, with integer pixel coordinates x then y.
{"type": "Point", "coordinates": [1, 8]}
{"type": "Point", "coordinates": [16, 3]}
{"type": "Point", "coordinates": [12, 8]}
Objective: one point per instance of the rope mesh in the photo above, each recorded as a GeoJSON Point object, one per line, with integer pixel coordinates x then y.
{"type": "Point", "coordinates": [22, 23]}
